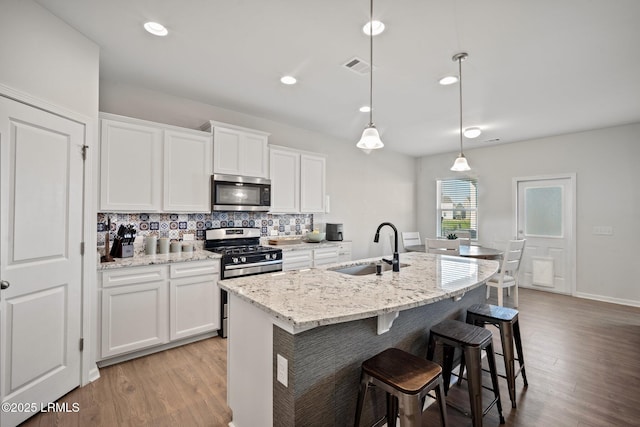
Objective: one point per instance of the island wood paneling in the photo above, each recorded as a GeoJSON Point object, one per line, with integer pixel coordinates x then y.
{"type": "Point", "coordinates": [582, 365]}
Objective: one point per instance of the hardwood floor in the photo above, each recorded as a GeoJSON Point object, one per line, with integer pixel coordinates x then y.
{"type": "Point", "coordinates": [582, 361]}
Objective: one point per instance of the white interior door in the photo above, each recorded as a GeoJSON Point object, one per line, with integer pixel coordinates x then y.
{"type": "Point", "coordinates": [546, 219]}
{"type": "Point", "coordinates": [41, 230]}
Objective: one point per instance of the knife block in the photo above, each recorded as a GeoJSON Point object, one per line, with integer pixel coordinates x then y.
{"type": "Point", "coordinates": [121, 250]}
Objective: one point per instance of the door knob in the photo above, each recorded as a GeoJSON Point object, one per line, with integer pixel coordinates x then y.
{"type": "Point", "coordinates": [4, 284]}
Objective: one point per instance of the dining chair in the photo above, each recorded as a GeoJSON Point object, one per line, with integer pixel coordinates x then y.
{"type": "Point", "coordinates": [411, 238]}
{"type": "Point", "coordinates": [507, 276]}
{"type": "Point", "coordinates": [443, 246]}
{"type": "Point", "coordinates": [464, 237]}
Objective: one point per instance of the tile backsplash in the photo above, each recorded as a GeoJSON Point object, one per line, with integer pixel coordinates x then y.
{"type": "Point", "coordinates": [174, 226]}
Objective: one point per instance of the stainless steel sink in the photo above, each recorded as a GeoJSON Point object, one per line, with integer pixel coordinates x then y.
{"type": "Point", "coordinates": [364, 269]}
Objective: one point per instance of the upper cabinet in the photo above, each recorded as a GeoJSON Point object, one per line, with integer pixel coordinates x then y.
{"type": "Point", "coordinates": [151, 167]}
{"type": "Point", "coordinates": [297, 181]}
{"type": "Point", "coordinates": [238, 150]}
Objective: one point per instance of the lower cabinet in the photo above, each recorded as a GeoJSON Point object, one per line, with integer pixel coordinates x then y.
{"type": "Point", "coordinates": [142, 307]}
{"type": "Point", "coordinates": [324, 256]}
{"type": "Point", "coordinates": [297, 259]}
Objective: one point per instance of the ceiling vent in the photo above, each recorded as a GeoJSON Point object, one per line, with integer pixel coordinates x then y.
{"type": "Point", "coordinates": [358, 66]}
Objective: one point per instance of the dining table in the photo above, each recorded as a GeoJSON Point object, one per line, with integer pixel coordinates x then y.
{"type": "Point", "coordinates": [469, 251]}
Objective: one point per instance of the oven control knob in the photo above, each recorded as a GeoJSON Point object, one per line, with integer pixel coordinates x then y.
{"type": "Point", "coordinates": [267, 256]}
{"type": "Point", "coordinates": [235, 260]}
{"type": "Point", "coordinates": [243, 259]}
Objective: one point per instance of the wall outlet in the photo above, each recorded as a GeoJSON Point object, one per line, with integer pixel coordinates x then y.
{"type": "Point", "coordinates": [603, 230]}
{"type": "Point", "coordinates": [282, 371]}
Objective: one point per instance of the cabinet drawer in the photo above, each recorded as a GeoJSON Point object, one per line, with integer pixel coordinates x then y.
{"type": "Point", "coordinates": [193, 268]}
{"type": "Point", "coordinates": [294, 260]}
{"type": "Point", "coordinates": [132, 275]}
{"type": "Point", "coordinates": [323, 256]}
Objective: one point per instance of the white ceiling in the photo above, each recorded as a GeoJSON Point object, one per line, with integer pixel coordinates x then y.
{"type": "Point", "coordinates": [535, 68]}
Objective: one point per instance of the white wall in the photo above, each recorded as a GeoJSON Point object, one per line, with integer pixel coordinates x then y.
{"type": "Point", "coordinates": [364, 190]}
{"type": "Point", "coordinates": [44, 57]}
{"type": "Point", "coordinates": [605, 162]}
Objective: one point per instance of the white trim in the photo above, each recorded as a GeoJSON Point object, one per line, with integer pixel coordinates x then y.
{"type": "Point", "coordinates": [631, 303]}
{"type": "Point", "coordinates": [88, 367]}
{"type": "Point", "coordinates": [571, 176]}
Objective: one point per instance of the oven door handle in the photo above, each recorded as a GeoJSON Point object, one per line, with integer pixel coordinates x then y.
{"type": "Point", "coordinates": [253, 264]}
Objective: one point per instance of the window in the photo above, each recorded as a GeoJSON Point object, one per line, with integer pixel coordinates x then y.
{"type": "Point", "coordinates": [457, 206]}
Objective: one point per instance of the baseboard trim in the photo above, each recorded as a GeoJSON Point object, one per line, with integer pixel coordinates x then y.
{"type": "Point", "coordinates": [94, 374]}
{"type": "Point", "coordinates": [602, 298]}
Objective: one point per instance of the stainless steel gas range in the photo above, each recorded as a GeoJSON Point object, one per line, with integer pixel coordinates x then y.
{"type": "Point", "coordinates": [242, 255]}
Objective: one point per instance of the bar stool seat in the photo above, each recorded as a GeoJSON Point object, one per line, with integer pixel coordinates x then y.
{"type": "Point", "coordinates": [406, 379]}
{"type": "Point", "coordinates": [471, 339]}
{"type": "Point", "coordinates": [506, 320]}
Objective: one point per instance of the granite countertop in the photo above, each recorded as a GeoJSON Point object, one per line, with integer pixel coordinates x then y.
{"type": "Point", "coordinates": [141, 259]}
{"type": "Point", "coordinates": [313, 297]}
{"type": "Point", "coordinates": [297, 245]}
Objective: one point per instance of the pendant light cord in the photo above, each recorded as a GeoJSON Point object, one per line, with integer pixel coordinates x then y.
{"type": "Point", "coordinates": [371, 67]}
{"type": "Point", "coordinates": [460, 77]}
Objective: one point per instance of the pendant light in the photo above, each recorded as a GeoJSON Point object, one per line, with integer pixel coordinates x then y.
{"type": "Point", "coordinates": [370, 139]}
{"type": "Point", "coordinates": [460, 165]}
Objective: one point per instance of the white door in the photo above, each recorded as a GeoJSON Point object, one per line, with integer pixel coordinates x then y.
{"type": "Point", "coordinates": [41, 182]}
{"type": "Point", "coordinates": [546, 219]}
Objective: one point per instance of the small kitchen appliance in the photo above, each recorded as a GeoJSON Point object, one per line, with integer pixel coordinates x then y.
{"type": "Point", "coordinates": [334, 232]}
{"type": "Point", "coordinates": [242, 255]}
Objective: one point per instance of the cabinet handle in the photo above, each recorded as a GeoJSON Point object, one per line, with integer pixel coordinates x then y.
{"type": "Point", "coordinates": [4, 284]}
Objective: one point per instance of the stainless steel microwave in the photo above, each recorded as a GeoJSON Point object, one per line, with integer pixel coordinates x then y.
{"type": "Point", "coordinates": [240, 193]}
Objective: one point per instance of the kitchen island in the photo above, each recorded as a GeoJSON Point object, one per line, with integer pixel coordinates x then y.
{"type": "Point", "coordinates": [297, 339]}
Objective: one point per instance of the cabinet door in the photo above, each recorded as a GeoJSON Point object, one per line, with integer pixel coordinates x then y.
{"type": "Point", "coordinates": [187, 172]}
{"type": "Point", "coordinates": [134, 317]}
{"type": "Point", "coordinates": [130, 167]}
{"type": "Point", "coordinates": [344, 252]}
{"type": "Point", "coordinates": [295, 260]}
{"type": "Point", "coordinates": [254, 155]}
{"type": "Point", "coordinates": [285, 181]}
{"type": "Point", "coordinates": [226, 151]}
{"type": "Point", "coordinates": [195, 306]}
{"type": "Point", "coordinates": [324, 256]}
{"type": "Point", "coordinates": [312, 183]}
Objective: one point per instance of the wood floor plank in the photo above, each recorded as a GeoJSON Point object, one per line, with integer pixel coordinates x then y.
{"type": "Point", "coordinates": [582, 362]}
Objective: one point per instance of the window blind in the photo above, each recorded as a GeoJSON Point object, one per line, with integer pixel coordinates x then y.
{"type": "Point", "coordinates": [457, 206]}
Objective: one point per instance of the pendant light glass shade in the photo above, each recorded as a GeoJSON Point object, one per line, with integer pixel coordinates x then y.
{"type": "Point", "coordinates": [461, 164]}
{"type": "Point", "coordinates": [370, 139]}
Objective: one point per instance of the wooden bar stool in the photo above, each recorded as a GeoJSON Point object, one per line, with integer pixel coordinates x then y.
{"type": "Point", "coordinates": [506, 320]}
{"type": "Point", "coordinates": [406, 379]}
{"type": "Point", "coordinates": [471, 340]}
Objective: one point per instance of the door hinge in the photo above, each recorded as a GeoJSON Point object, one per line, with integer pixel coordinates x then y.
{"type": "Point", "coordinates": [81, 344]}
{"type": "Point", "coordinates": [84, 152]}
{"type": "Point", "coordinates": [81, 248]}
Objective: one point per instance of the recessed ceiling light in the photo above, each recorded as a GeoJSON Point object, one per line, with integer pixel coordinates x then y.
{"type": "Point", "coordinates": [378, 27]}
{"type": "Point", "coordinates": [365, 109]}
{"type": "Point", "coordinates": [288, 80]}
{"type": "Point", "coordinates": [472, 132]}
{"type": "Point", "coordinates": [448, 80]}
{"type": "Point", "coordinates": [156, 29]}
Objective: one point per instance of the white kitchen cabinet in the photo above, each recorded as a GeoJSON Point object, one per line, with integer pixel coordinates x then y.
{"type": "Point", "coordinates": [148, 306]}
{"type": "Point", "coordinates": [325, 255]}
{"type": "Point", "coordinates": [344, 251]}
{"type": "Point", "coordinates": [134, 314]}
{"type": "Point", "coordinates": [312, 183]}
{"type": "Point", "coordinates": [194, 298]}
{"type": "Point", "coordinates": [285, 180]}
{"type": "Point", "coordinates": [187, 172]}
{"type": "Point", "coordinates": [152, 167]}
{"type": "Point", "coordinates": [297, 259]}
{"type": "Point", "coordinates": [238, 150]}
{"type": "Point", "coordinates": [130, 166]}
{"type": "Point", "coordinates": [297, 181]}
